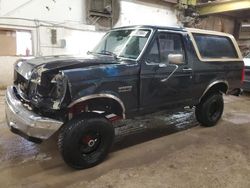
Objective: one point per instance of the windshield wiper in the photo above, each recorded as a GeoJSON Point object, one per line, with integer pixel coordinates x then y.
{"type": "Point", "coordinates": [104, 52]}
{"type": "Point", "coordinates": [89, 52]}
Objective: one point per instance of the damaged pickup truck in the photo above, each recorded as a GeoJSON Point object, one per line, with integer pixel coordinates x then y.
{"type": "Point", "coordinates": [132, 71]}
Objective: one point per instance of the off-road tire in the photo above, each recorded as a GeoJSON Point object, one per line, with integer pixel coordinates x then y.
{"type": "Point", "coordinates": [209, 111]}
{"type": "Point", "coordinates": [71, 137]}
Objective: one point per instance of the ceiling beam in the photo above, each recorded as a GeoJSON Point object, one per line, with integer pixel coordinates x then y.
{"type": "Point", "coordinates": [223, 6]}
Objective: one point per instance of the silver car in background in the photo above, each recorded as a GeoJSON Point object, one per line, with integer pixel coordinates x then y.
{"type": "Point", "coordinates": [246, 77]}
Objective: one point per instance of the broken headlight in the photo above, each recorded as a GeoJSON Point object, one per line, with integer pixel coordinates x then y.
{"type": "Point", "coordinates": [36, 75]}
{"type": "Point", "coordinates": [59, 87]}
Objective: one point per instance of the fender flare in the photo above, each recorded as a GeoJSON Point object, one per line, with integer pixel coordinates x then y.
{"type": "Point", "coordinates": [213, 84]}
{"type": "Point", "coordinates": [96, 96]}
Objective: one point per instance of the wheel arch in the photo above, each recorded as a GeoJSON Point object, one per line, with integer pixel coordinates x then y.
{"type": "Point", "coordinates": [115, 102]}
{"type": "Point", "coordinates": [218, 85]}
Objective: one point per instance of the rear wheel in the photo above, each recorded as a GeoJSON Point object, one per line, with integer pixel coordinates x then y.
{"type": "Point", "coordinates": [85, 142]}
{"type": "Point", "coordinates": [210, 109]}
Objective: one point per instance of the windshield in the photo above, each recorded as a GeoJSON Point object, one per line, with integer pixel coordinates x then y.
{"type": "Point", "coordinates": [127, 43]}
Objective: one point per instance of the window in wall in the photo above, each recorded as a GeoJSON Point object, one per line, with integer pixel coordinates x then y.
{"type": "Point", "coordinates": [7, 42]}
{"type": "Point", "coordinates": [101, 6]}
{"type": "Point", "coordinates": [212, 46]}
{"type": "Point", "coordinates": [15, 43]}
{"type": "Point", "coordinates": [23, 43]}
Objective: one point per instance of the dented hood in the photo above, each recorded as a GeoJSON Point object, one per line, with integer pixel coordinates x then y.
{"type": "Point", "coordinates": [26, 66]}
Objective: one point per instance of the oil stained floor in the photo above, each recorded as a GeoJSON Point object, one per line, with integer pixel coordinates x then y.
{"type": "Point", "coordinates": [157, 150]}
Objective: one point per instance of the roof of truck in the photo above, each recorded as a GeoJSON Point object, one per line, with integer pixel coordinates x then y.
{"type": "Point", "coordinates": [191, 32]}
{"type": "Point", "coordinates": [177, 28]}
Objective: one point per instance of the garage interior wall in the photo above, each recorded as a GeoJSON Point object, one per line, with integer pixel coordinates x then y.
{"type": "Point", "coordinates": [69, 19]}
{"type": "Point", "coordinates": [147, 12]}
{"type": "Point", "coordinates": [244, 36]}
{"type": "Point", "coordinates": [217, 23]}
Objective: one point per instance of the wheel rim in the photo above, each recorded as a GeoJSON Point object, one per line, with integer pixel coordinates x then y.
{"type": "Point", "coordinates": [89, 142]}
{"type": "Point", "coordinates": [214, 110]}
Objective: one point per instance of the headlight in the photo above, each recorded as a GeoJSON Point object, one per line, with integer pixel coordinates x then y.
{"type": "Point", "coordinates": [36, 80]}
{"type": "Point", "coordinates": [60, 85]}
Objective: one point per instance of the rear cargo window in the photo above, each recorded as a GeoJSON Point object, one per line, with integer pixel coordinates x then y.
{"type": "Point", "coordinates": [212, 46]}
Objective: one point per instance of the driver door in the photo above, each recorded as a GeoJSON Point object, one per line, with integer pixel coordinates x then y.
{"type": "Point", "coordinates": [163, 82]}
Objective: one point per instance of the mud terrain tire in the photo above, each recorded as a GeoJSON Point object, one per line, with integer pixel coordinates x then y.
{"type": "Point", "coordinates": [85, 142]}
{"type": "Point", "coordinates": [210, 109]}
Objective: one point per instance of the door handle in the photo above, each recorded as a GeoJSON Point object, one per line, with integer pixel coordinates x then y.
{"type": "Point", "coordinates": [162, 65]}
{"type": "Point", "coordinates": [187, 70]}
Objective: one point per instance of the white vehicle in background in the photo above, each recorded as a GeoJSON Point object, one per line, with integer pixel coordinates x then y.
{"type": "Point", "coordinates": [246, 80]}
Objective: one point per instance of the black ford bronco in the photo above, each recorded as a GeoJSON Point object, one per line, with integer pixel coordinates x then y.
{"type": "Point", "coordinates": [132, 71]}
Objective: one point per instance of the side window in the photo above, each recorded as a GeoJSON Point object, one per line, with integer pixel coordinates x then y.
{"type": "Point", "coordinates": [170, 43]}
{"type": "Point", "coordinates": [165, 44]}
{"type": "Point", "coordinates": [154, 55]}
{"type": "Point", "coordinates": [212, 46]}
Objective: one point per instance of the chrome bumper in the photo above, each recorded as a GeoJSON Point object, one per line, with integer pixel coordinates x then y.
{"type": "Point", "coordinates": [25, 122]}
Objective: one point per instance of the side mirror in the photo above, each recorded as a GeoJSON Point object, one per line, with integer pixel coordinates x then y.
{"type": "Point", "coordinates": [175, 59]}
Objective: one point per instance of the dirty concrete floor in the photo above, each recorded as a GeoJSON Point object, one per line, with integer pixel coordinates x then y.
{"type": "Point", "coordinates": [157, 150]}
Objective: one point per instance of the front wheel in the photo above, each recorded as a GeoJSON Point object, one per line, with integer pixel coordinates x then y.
{"type": "Point", "coordinates": [210, 109]}
{"type": "Point", "coordinates": [85, 142]}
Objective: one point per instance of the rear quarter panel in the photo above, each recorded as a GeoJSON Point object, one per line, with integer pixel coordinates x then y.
{"type": "Point", "coordinates": [207, 72]}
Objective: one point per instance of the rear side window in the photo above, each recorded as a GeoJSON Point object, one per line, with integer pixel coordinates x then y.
{"type": "Point", "coordinates": [212, 46]}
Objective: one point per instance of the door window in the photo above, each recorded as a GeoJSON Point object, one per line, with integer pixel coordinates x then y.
{"type": "Point", "coordinates": [154, 55]}
{"type": "Point", "coordinates": [163, 45]}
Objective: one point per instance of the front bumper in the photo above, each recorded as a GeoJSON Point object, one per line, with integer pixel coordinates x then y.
{"type": "Point", "coordinates": [25, 122]}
